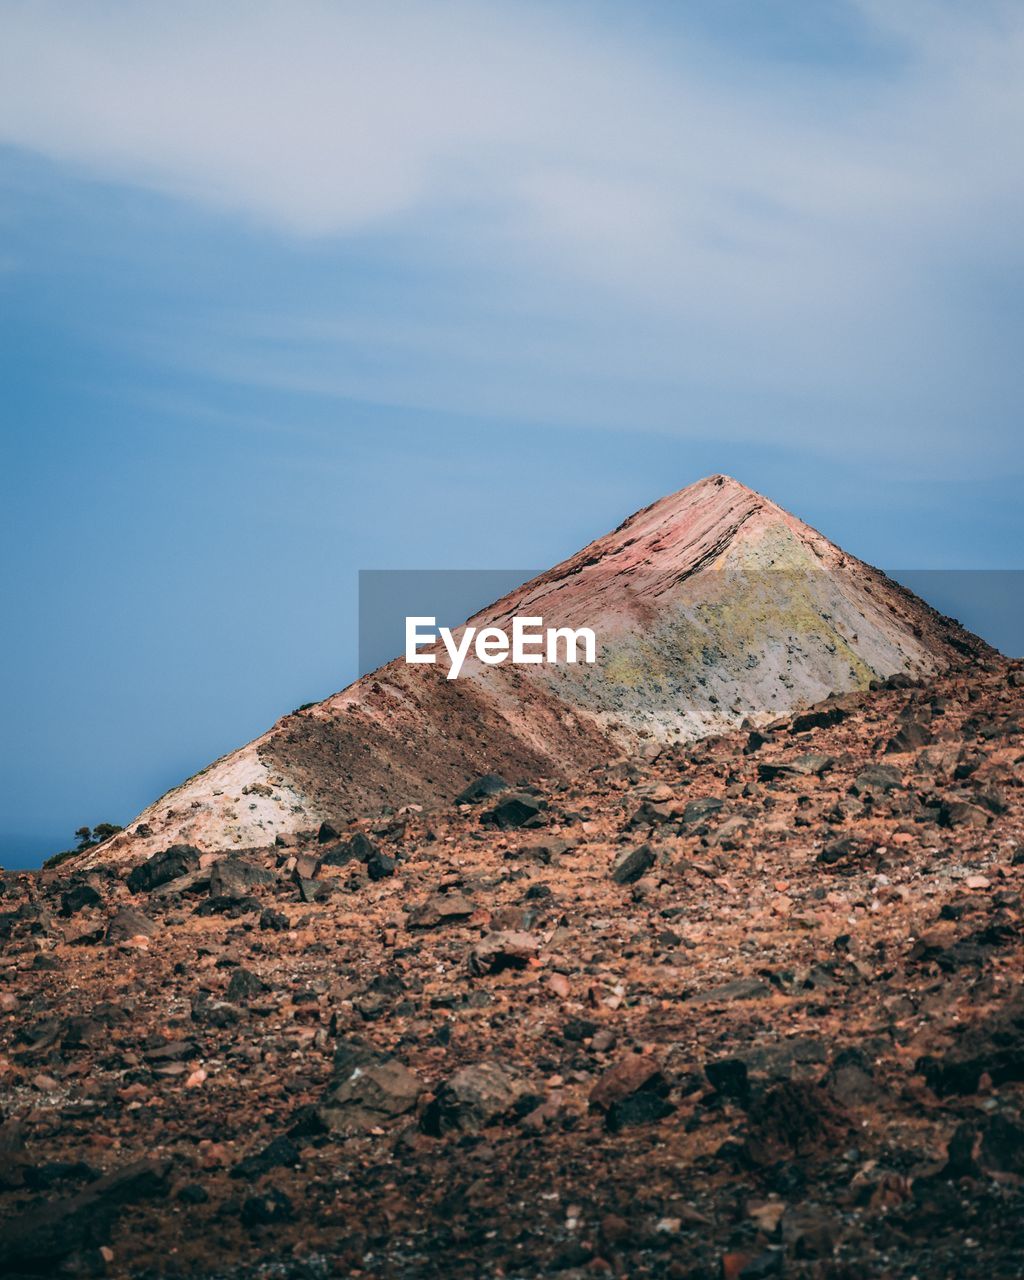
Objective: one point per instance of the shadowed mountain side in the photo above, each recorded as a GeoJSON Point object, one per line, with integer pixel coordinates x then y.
{"type": "Point", "coordinates": [415, 734]}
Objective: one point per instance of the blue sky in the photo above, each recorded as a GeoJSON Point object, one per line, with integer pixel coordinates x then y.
{"type": "Point", "coordinates": [291, 290]}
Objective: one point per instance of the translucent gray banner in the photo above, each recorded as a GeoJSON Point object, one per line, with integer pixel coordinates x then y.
{"type": "Point", "coordinates": [987, 602]}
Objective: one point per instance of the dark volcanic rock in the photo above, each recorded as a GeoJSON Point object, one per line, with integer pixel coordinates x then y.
{"type": "Point", "coordinates": [644, 1107]}
{"type": "Point", "coordinates": [841, 850]}
{"type": "Point", "coordinates": [698, 811]}
{"type": "Point", "coordinates": [245, 986]}
{"type": "Point", "coordinates": [651, 814]}
{"type": "Point", "coordinates": [1002, 1145]}
{"type": "Point", "coordinates": [235, 878]}
{"type": "Point", "coordinates": [128, 923]}
{"type": "Point", "coordinates": [910, 736]}
{"type": "Point", "coordinates": [358, 848]}
{"type": "Point", "coordinates": [632, 1092]}
{"type": "Point", "coordinates": [876, 778]}
{"type": "Point", "coordinates": [475, 1098]}
{"type": "Point", "coordinates": [813, 764]}
{"type": "Point", "coordinates": [269, 1207]}
{"type": "Point", "coordinates": [13, 1161]}
{"type": "Point", "coordinates": [281, 1151]}
{"type": "Point", "coordinates": [228, 905]}
{"type": "Point", "coordinates": [962, 813]}
{"type": "Point", "coordinates": [491, 784]}
{"type": "Point", "coordinates": [737, 989]}
{"type": "Point", "coordinates": [507, 949]}
{"type": "Point", "coordinates": [379, 865]}
{"type": "Point", "coordinates": [851, 1080]}
{"type": "Point", "coordinates": [792, 1118]}
{"type": "Point", "coordinates": [728, 1076]}
{"type": "Point", "coordinates": [163, 867]}
{"type": "Point", "coordinates": [442, 908]}
{"type": "Point", "coordinates": [631, 864]}
{"type": "Point", "coordinates": [368, 1090]}
{"type": "Point", "coordinates": [37, 1241]}
{"type": "Point", "coordinates": [818, 718]}
{"type": "Point", "coordinates": [995, 1048]}
{"type": "Point", "coordinates": [77, 897]}
{"type": "Point", "coordinates": [517, 810]}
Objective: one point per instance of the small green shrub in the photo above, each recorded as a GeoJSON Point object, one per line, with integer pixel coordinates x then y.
{"type": "Point", "coordinates": [88, 838]}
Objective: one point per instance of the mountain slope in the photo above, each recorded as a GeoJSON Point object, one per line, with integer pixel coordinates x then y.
{"type": "Point", "coordinates": [712, 607]}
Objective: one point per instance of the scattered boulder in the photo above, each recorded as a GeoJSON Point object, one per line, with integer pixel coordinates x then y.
{"type": "Point", "coordinates": [851, 1080]}
{"type": "Point", "coordinates": [1002, 1145]}
{"type": "Point", "coordinates": [491, 784]}
{"type": "Point", "coordinates": [269, 1207]}
{"type": "Point", "coordinates": [441, 909]}
{"type": "Point", "coordinates": [279, 1152]}
{"type": "Point", "coordinates": [876, 779]}
{"type": "Point", "coordinates": [546, 852]}
{"type": "Point", "coordinates": [961, 813]}
{"type": "Point", "coordinates": [77, 897]}
{"type": "Point", "coordinates": [632, 1092]}
{"type": "Point", "coordinates": [994, 1048]}
{"type": "Point", "coordinates": [38, 1240]}
{"type": "Point", "coordinates": [245, 986]}
{"type": "Point", "coordinates": [813, 764]}
{"type": "Point", "coordinates": [792, 1118]}
{"type": "Point", "coordinates": [697, 812]}
{"type": "Point", "coordinates": [631, 864]}
{"type": "Point", "coordinates": [728, 1077]}
{"type": "Point", "coordinates": [516, 810]}
{"type": "Point", "coordinates": [358, 848]}
{"type": "Point", "coordinates": [367, 1090]}
{"type": "Point", "coordinates": [507, 949]}
{"type": "Point", "coordinates": [128, 923]}
{"type": "Point", "coordinates": [14, 1163]}
{"type": "Point", "coordinates": [380, 865]}
{"type": "Point", "coordinates": [841, 850]}
{"type": "Point", "coordinates": [737, 989]}
{"type": "Point", "coordinates": [475, 1098]}
{"type": "Point", "coordinates": [818, 718]}
{"type": "Point", "coordinates": [652, 813]}
{"type": "Point", "coordinates": [163, 867]}
{"type": "Point", "coordinates": [910, 736]}
{"type": "Point", "coordinates": [233, 877]}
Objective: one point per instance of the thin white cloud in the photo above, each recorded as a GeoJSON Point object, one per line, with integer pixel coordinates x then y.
{"type": "Point", "coordinates": [322, 118]}
{"type": "Point", "coordinates": [757, 222]}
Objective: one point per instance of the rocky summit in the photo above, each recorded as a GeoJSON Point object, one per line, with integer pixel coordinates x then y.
{"type": "Point", "coordinates": [713, 607]}
{"type": "Point", "coordinates": [732, 1005]}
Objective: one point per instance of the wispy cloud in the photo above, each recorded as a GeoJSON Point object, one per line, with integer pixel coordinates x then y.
{"type": "Point", "coordinates": [326, 118]}
{"type": "Point", "coordinates": [770, 220]}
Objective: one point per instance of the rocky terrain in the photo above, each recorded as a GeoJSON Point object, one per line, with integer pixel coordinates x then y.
{"type": "Point", "coordinates": [748, 1007]}
{"type": "Point", "coordinates": [712, 607]}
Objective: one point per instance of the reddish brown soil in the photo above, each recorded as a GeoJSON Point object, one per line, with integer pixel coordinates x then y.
{"type": "Point", "coordinates": [794, 1046]}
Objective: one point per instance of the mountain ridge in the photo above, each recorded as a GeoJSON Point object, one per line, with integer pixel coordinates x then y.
{"type": "Point", "coordinates": [716, 607]}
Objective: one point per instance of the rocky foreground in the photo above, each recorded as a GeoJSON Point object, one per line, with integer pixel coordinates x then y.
{"type": "Point", "coordinates": [750, 1008]}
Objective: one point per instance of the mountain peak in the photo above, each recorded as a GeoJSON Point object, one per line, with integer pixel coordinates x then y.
{"type": "Point", "coordinates": [715, 523]}
{"type": "Point", "coordinates": [714, 607]}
